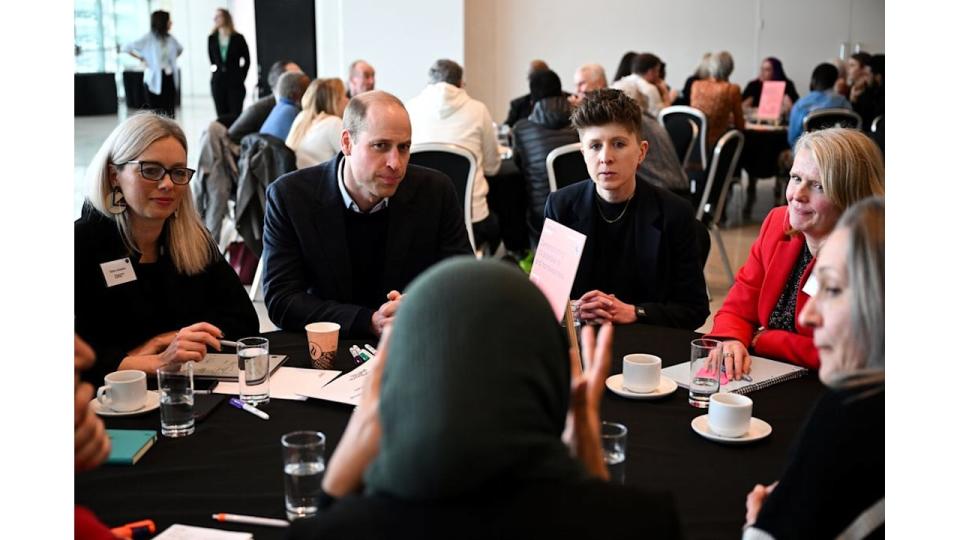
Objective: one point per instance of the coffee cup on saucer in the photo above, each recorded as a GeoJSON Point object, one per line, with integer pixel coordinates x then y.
{"type": "Point", "coordinates": [729, 414]}
{"type": "Point", "coordinates": [641, 373]}
{"type": "Point", "coordinates": [124, 390]}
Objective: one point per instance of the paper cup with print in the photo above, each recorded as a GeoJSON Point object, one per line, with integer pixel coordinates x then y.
{"type": "Point", "coordinates": [322, 339]}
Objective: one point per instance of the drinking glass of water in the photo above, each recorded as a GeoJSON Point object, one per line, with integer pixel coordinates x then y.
{"type": "Point", "coordinates": [175, 382]}
{"type": "Point", "coordinates": [705, 365]}
{"type": "Point", "coordinates": [303, 466]}
{"type": "Point", "coordinates": [614, 439]}
{"type": "Point", "coordinates": [253, 359]}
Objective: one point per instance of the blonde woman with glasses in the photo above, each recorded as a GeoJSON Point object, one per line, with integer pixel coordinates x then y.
{"type": "Point", "coordinates": [151, 287]}
{"type": "Point", "coordinates": [315, 135]}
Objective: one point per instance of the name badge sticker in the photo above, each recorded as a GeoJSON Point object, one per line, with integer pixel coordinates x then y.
{"type": "Point", "coordinates": [118, 272]}
{"type": "Point", "coordinates": [811, 286]}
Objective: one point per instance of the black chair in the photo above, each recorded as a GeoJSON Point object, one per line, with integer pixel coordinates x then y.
{"type": "Point", "coordinates": [565, 166]}
{"type": "Point", "coordinates": [676, 120]}
{"type": "Point", "coordinates": [726, 154]}
{"type": "Point", "coordinates": [460, 165]}
{"type": "Point", "coordinates": [876, 131]}
{"type": "Point", "coordinates": [828, 118]}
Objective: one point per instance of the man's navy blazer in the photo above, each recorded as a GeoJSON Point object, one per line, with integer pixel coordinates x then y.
{"type": "Point", "coordinates": [306, 269]}
{"type": "Point", "coordinates": [666, 250]}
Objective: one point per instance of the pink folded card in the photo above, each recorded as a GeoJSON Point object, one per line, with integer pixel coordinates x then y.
{"type": "Point", "coordinates": [556, 262]}
{"type": "Point", "coordinates": [771, 97]}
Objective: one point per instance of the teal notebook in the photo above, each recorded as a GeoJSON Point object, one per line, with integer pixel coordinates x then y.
{"type": "Point", "coordinates": [127, 446]}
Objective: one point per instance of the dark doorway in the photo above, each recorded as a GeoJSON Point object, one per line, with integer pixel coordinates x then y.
{"type": "Point", "coordinates": [286, 29]}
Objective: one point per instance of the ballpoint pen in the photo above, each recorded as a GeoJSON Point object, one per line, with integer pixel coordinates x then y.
{"type": "Point", "coordinates": [249, 408]}
{"type": "Point", "coordinates": [253, 520]}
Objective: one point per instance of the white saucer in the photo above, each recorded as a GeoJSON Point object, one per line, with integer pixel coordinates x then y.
{"type": "Point", "coordinates": [153, 402]}
{"type": "Point", "coordinates": [666, 387]}
{"type": "Point", "coordinates": [758, 430]}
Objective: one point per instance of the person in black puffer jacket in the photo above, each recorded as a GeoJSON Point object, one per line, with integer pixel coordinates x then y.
{"type": "Point", "coordinates": [547, 127]}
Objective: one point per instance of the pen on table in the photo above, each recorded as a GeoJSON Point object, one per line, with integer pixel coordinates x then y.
{"type": "Point", "coordinates": [135, 530]}
{"type": "Point", "coordinates": [249, 408]}
{"type": "Point", "coordinates": [228, 343]}
{"type": "Point", "coordinates": [253, 520]}
{"type": "Point", "coordinates": [354, 353]}
{"type": "Point", "coordinates": [365, 355]}
{"type": "Point", "coordinates": [370, 348]}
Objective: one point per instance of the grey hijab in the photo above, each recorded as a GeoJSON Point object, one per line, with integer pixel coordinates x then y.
{"type": "Point", "coordinates": [476, 386]}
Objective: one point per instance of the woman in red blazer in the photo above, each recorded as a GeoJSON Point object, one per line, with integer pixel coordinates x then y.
{"type": "Point", "coordinates": [832, 170]}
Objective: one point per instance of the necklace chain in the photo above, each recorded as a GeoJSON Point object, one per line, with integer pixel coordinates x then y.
{"type": "Point", "coordinates": [616, 219]}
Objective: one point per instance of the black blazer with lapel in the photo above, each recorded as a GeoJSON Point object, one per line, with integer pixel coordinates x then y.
{"type": "Point", "coordinates": [666, 249]}
{"type": "Point", "coordinates": [306, 271]}
{"type": "Point", "coordinates": [236, 49]}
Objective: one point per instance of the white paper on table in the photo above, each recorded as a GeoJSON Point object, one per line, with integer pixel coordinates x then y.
{"type": "Point", "coordinates": [287, 383]}
{"type": "Point", "coordinates": [348, 388]}
{"type": "Point", "coordinates": [556, 263]}
{"type": "Point", "coordinates": [189, 532]}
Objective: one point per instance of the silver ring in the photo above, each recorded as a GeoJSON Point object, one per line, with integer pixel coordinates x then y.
{"type": "Point", "coordinates": [728, 355]}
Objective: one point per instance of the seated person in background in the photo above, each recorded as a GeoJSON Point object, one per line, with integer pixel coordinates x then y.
{"type": "Point", "coordinates": [432, 464]}
{"type": "Point", "coordinates": [625, 66]}
{"type": "Point", "coordinates": [718, 98]}
{"type": "Point", "coordinates": [641, 261]}
{"type": "Point", "coordinates": [645, 80]}
{"type": "Point", "coordinates": [522, 106]}
{"type": "Point", "coordinates": [253, 116]}
{"type": "Point", "coordinates": [833, 484]}
{"type": "Point", "coordinates": [587, 78]}
{"type": "Point", "coordinates": [840, 86]}
{"type": "Point", "coordinates": [150, 285]}
{"type": "Point", "coordinates": [821, 96]}
{"type": "Point", "coordinates": [315, 134]}
{"type": "Point", "coordinates": [868, 99]}
{"type": "Point", "coordinates": [833, 169]}
{"type": "Point", "coordinates": [444, 113]}
{"type": "Point", "coordinates": [91, 444]}
{"type": "Point", "coordinates": [547, 128]}
{"type": "Point", "coordinates": [858, 74]}
{"type": "Point", "coordinates": [362, 78]}
{"type": "Point", "coordinates": [341, 238]}
{"type": "Point", "coordinates": [290, 89]}
{"type": "Point", "coordinates": [698, 75]}
{"type": "Point", "coordinates": [771, 69]}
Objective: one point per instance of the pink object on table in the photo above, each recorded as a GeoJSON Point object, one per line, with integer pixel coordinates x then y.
{"type": "Point", "coordinates": [771, 97]}
{"type": "Point", "coordinates": [556, 263]}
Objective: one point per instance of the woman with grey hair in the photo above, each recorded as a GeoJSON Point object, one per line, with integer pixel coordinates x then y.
{"type": "Point", "coordinates": [151, 287]}
{"type": "Point", "coordinates": [833, 485]}
{"type": "Point", "coordinates": [718, 98]}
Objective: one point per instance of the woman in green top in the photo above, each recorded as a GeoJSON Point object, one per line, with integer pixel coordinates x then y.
{"type": "Point", "coordinates": [229, 62]}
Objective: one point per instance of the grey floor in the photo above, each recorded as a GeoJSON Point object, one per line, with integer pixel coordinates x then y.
{"type": "Point", "coordinates": [196, 114]}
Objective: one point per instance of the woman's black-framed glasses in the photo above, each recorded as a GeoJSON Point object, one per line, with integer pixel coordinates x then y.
{"type": "Point", "coordinates": [152, 170]}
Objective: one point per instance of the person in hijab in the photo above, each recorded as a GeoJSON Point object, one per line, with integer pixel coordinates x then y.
{"type": "Point", "coordinates": [459, 429]}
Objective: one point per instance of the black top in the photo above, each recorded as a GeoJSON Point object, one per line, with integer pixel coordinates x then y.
{"type": "Point", "coordinates": [611, 237]}
{"type": "Point", "coordinates": [784, 313]}
{"type": "Point", "coordinates": [835, 471]}
{"type": "Point", "coordinates": [114, 320]}
{"type": "Point", "coordinates": [667, 280]}
{"type": "Point", "coordinates": [755, 87]}
{"type": "Point", "coordinates": [870, 104]}
{"type": "Point", "coordinates": [236, 49]}
{"type": "Point", "coordinates": [367, 241]}
{"type": "Point", "coordinates": [583, 509]}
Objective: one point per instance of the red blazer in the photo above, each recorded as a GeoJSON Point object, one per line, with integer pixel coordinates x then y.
{"type": "Point", "coordinates": [760, 282]}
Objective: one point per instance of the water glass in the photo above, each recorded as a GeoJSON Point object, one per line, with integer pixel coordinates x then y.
{"type": "Point", "coordinates": [253, 359]}
{"type": "Point", "coordinates": [705, 364]}
{"type": "Point", "coordinates": [303, 466]}
{"type": "Point", "coordinates": [614, 439]}
{"type": "Point", "coordinates": [175, 382]}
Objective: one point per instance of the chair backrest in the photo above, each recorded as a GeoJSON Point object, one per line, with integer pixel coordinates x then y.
{"type": "Point", "coordinates": [456, 162]}
{"type": "Point", "coordinates": [683, 134]}
{"type": "Point", "coordinates": [670, 116]}
{"type": "Point", "coordinates": [828, 118]}
{"type": "Point", "coordinates": [565, 166]}
{"type": "Point", "coordinates": [726, 154]}
{"type": "Point", "coordinates": [876, 131]}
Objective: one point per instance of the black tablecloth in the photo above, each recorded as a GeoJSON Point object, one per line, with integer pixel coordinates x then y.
{"type": "Point", "coordinates": [761, 148]}
{"type": "Point", "coordinates": [507, 198]}
{"type": "Point", "coordinates": [233, 463]}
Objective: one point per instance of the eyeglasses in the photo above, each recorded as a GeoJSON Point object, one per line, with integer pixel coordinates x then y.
{"type": "Point", "coordinates": [151, 170]}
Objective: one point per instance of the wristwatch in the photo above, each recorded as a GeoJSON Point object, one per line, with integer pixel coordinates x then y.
{"type": "Point", "coordinates": [641, 313]}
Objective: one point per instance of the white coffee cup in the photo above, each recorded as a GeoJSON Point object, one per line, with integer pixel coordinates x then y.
{"type": "Point", "coordinates": [729, 414]}
{"type": "Point", "coordinates": [124, 390]}
{"type": "Point", "coordinates": [641, 373]}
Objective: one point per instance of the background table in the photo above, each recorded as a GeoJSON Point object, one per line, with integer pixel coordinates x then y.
{"type": "Point", "coordinates": [233, 462]}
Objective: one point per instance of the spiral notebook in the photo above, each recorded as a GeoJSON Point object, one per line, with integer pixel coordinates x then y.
{"type": "Point", "coordinates": [764, 372]}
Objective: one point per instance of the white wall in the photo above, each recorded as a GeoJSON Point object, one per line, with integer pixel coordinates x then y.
{"type": "Point", "coordinates": [504, 35]}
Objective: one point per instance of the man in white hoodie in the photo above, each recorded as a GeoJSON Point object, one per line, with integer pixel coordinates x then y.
{"type": "Point", "coordinates": [444, 113]}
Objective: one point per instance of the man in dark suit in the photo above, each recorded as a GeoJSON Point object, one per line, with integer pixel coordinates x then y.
{"type": "Point", "coordinates": [342, 238]}
{"type": "Point", "coordinates": [641, 261]}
